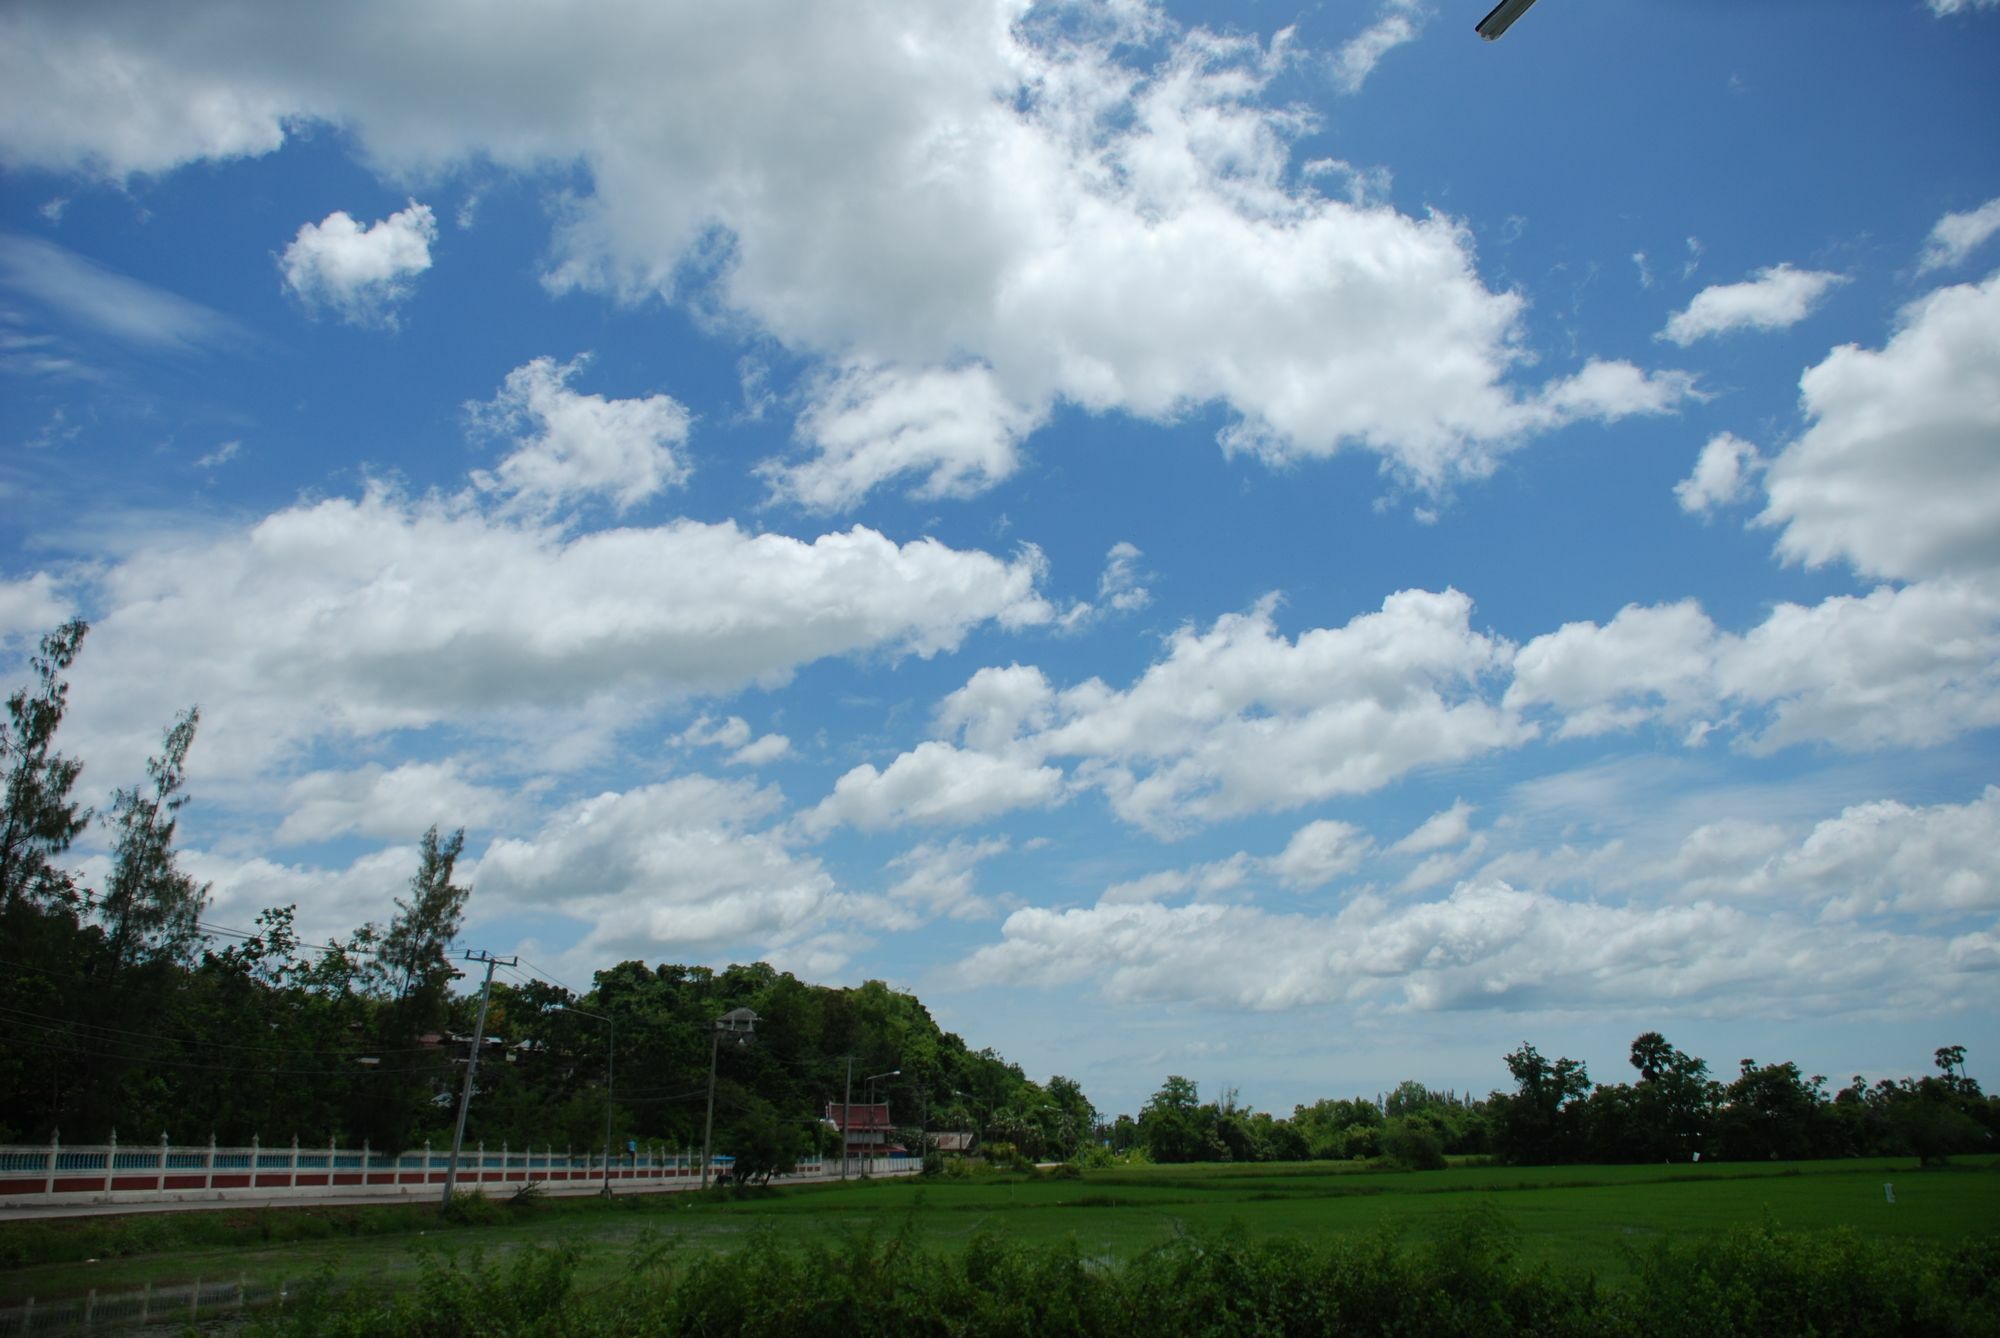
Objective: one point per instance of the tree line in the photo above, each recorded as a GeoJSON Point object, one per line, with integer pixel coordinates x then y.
{"type": "Point", "coordinates": [1673, 1111]}
{"type": "Point", "coordinates": [129, 1012]}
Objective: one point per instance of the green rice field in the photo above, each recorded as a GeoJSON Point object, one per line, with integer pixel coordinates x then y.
{"type": "Point", "coordinates": [1581, 1219]}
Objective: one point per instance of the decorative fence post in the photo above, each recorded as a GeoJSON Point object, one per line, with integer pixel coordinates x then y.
{"type": "Point", "coordinates": [111, 1161]}
{"type": "Point", "coordinates": [55, 1155]}
{"type": "Point", "coordinates": [292, 1182]}
{"type": "Point", "coordinates": [208, 1167]}
{"type": "Point", "coordinates": [161, 1186]}
{"type": "Point", "coordinates": [506, 1164]}
{"type": "Point", "coordinates": [256, 1157]}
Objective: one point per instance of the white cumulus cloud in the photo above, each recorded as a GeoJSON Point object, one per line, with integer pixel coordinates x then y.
{"type": "Point", "coordinates": [360, 273]}
{"type": "Point", "coordinates": [1897, 472]}
{"type": "Point", "coordinates": [1776, 298]}
{"type": "Point", "coordinates": [573, 445]}
{"type": "Point", "coordinates": [1722, 474]}
{"type": "Point", "coordinates": [958, 219]}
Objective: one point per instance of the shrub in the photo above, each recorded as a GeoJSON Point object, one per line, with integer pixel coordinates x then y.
{"type": "Point", "coordinates": [1413, 1146]}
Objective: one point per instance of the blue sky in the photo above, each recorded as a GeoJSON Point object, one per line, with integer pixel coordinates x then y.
{"type": "Point", "coordinates": [1289, 546]}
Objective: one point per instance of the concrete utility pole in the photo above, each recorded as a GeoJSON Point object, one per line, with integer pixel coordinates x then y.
{"type": "Point", "coordinates": [471, 1067]}
{"type": "Point", "coordinates": [846, 1117]}
{"type": "Point", "coordinates": [739, 1023]}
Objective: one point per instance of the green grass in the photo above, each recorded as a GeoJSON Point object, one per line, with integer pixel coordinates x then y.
{"type": "Point", "coordinates": [1581, 1218]}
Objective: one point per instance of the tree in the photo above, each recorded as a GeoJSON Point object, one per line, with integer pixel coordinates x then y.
{"type": "Point", "coordinates": [1675, 1100]}
{"type": "Point", "coordinates": [1950, 1058]}
{"type": "Point", "coordinates": [1540, 1122]}
{"type": "Point", "coordinates": [150, 908]}
{"type": "Point", "coordinates": [764, 1144]}
{"type": "Point", "coordinates": [413, 951]}
{"type": "Point", "coordinates": [1171, 1125]}
{"type": "Point", "coordinates": [41, 818]}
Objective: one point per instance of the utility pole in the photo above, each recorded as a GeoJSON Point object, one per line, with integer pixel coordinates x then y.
{"type": "Point", "coordinates": [739, 1024]}
{"type": "Point", "coordinates": [846, 1117]}
{"type": "Point", "coordinates": [471, 1067]}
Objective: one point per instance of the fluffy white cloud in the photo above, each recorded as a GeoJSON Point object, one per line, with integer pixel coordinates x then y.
{"type": "Point", "coordinates": [734, 736]}
{"type": "Point", "coordinates": [936, 783]}
{"type": "Point", "coordinates": [346, 618]}
{"type": "Point", "coordinates": [684, 868]}
{"type": "Point", "coordinates": [1399, 21]}
{"type": "Point", "coordinates": [361, 273]}
{"type": "Point", "coordinates": [1777, 298]}
{"type": "Point", "coordinates": [378, 801]}
{"type": "Point", "coordinates": [955, 426]}
{"type": "Point", "coordinates": [1213, 881]}
{"type": "Point", "coordinates": [30, 608]}
{"type": "Point", "coordinates": [1943, 7]}
{"type": "Point", "coordinates": [1905, 667]}
{"type": "Point", "coordinates": [938, 880]}
{"type": "Point", "coordinates": [1645, 662]}
{"type": "Point", "coordinates": [1237, 719]}
{"type": "Point", "coordinates": [1441, 830]}
{"type": "Point", "coordinates": [1897, 473]}
{"type": "Point", "coordinates": [1899, 667]}
{"type": "Point", "coordinates": [1240, 719]}
{"type": "Point", "coordinates": [330, 901]}
{"type": "Point", "coordinates": [1957, 236]}
{"type": "Point", "coordinates": [1486, 945]}
{"type": "Point", "coordinates": [1120, 589]}
{"type": "Point", "coordinates": [573, 446]}
{"type": "Point", "coordinates": [944, 196]}
{"type": "Point", "coordinates": [1320, 852]}
{"type": "Point", "coordinates": [1873, 859]}
{"type": "Point", "coordinates": [1722, 475]}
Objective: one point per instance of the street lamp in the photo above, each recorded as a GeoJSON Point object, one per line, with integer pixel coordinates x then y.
{"type": "Point", "coordinates": [610, 1051]}
{"type": "Point", "coordinates": [870, 1081]}
{"type": "Point", "coordinates": [739, 1024]}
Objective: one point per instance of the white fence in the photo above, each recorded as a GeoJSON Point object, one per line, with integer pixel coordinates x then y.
{"type": "Point", "coordinates": [162, 1172]}
{"type": "Point", "coordinates": [189, 1303]}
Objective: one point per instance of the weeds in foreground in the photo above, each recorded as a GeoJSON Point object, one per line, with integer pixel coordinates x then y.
{"type": "Point", "coordinates": [1460, 1277]}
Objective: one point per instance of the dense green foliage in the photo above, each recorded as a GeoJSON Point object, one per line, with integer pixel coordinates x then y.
{"type": "Point", "coordinates": [1674, 1113]}
{"type": "Point", "coordinates": [1460, 1277]}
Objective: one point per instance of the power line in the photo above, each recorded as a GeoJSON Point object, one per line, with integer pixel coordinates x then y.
{"type": "Point", "coordinates": [185, 1040]}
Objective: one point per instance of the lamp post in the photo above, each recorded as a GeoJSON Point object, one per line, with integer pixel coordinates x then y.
{"type": "Point", "coordinates": [870, 1081]}
{"type": "Point", "coordinates": [739, 1024]}
{"type": "Point", "coordinates": [610, 1053]}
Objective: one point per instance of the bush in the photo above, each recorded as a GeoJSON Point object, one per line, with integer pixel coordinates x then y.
{"type": "Point", "coordinates": [1413, 1146]}
{"type": "Point", "coordinates": [472, 1208]}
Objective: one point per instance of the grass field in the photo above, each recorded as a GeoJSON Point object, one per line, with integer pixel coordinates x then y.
{"type": "Point", "coordinates": [1574, 1218]}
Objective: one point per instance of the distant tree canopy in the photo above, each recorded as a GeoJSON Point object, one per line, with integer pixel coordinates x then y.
{"type": "Point", "coordinates": [1555, 1114]}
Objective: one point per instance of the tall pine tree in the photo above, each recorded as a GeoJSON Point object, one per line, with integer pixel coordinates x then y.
{"type": "Point", "coordinates": [41, 819]}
